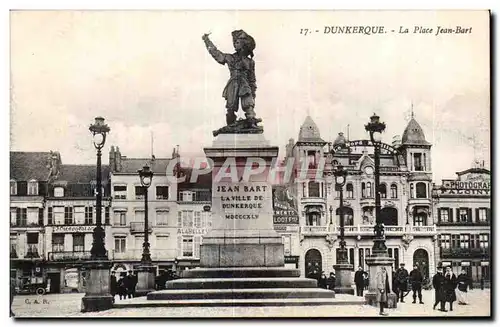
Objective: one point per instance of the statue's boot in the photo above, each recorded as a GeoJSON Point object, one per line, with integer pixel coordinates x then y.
{"type": "Point", "coordinates": [250, 116]}
{"type": "Point", "coordinates": [230, 117]}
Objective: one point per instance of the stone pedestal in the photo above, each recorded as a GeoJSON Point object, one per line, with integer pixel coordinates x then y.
{"type": "Point", "coordinates": [145, 280]}
{"type": "Point", "coordinates": [243, 234]}
{"type": "Point", "coordinates": [97, 296]}
{"type": "Point", "coordinates": [375, 263]}
{"type": "Point", "coordinates": [343, 279]}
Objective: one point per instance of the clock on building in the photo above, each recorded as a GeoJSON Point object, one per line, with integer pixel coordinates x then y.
{"type": "Point", "coordinates": [369, 170]}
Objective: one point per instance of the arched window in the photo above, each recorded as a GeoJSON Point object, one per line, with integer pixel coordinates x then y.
{"type": "Point", "coordinates": [383, 191]}
{"type": "Point", "coordinates": [369, 193]}
{"type": "Point", "coordinates": [421, 190]}
{"type": "Point", "coordinates": [314, 189]}
{"type": "Point", "coordinates": [412, 191]}
{"type": "Point", "coordinates": [363, 190]}
{"type": "Point", "coordinates": [348, 216]}
{"type": "Point", "coordinates": [350, 191]}
{"type": "Point", "coordinates": [389, 216]}
{"type": "Point", "coordinates": [394, 191]}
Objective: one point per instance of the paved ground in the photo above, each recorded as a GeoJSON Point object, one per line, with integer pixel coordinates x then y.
{"type": "Point", "coordinates": [68, 305]}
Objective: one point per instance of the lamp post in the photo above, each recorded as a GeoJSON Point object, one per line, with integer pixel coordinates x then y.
{"type": "Point", "coordinates": [380, 257]}
{"type": "Point", "coordinates": [331, 214]}
{"type": "Point", "coordinates": [146, 277]}
{"type": "Point", "coordinates": [97, 296]}
{"type": "Point", "coordinates": [342, 268]}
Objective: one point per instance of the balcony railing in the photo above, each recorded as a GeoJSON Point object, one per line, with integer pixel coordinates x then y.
{"type": "Point", "coordinates": [389, 230]}
{"type": "Point", "coordinates": [25, 224]}
{"type": "Point", "coordinates": [138, 227]}
{"type": "Point", "coordinates": [136, 254]}
{"type": "Point", "coordinates": [465, 253]}
{"type": "Point", "coordinates": [315, 230]}
{"type": "Point", "coordinates": [69, 256]}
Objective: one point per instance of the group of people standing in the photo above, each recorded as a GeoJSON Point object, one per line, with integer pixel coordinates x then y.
{"type": "Point", "coordinates": [125, 286]}
{"type": "Point", "coordinates": [361, 281]}
{"type": "Point", "coordinates": [445, 283]}
{"type": "Point", "coordinates": [327, 283]}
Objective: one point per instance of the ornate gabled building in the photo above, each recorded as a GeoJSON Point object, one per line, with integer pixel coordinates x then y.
{"type": "Point", "coordinates": [406, 214]}
{"type": "Point", "coordinates": [463, 216]}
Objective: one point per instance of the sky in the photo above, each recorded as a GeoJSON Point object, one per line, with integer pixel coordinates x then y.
{"type": "Point", "coordinates": [148, 73]}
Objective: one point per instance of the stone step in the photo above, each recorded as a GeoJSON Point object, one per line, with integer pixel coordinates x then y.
{"type": "Point", "coordinates": [231, 283]}
{"type": "Point", "coordinates": [238, 272]}
{"type": "Point", "coordinates": [270, 293]}
{"type": "Point", "coordinates": [142, 302]}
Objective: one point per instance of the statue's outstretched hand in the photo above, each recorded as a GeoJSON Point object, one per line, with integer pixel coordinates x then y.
{"type": "Point", "coordinates": [205, 36]}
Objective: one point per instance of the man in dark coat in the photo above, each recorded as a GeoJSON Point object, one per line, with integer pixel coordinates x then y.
{"type": "Point", "coordinates": [323, 281]}
{"type": "Point", "coordinates": [129, 284]}
{"type": "Point", "coordinates": [113, 285]}
{"type": "Point", "coordinates": [450, 283]}
{"type": "Point", "coordinates": [416, 280]}
{"type": "Point", "coordinates": [12, 293]}
{"type": "Point", "coordinates": [439, 293]}
{"type": "Point", "coordinates": [331, 281]}
{"type": "Point", "coordinates": [359, 280]}
{"type": "Point", "coordinates": [402, 281]}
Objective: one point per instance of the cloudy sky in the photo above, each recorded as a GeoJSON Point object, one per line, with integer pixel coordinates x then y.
{"type": "Point", "coordinates": [148, 73]}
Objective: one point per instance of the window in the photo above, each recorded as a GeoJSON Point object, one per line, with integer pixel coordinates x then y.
{"type": "Point", "coordinates": [106, 215]}
{"type": "Point", "coordinates": [13, 188]}
{"type": "Point", "coordinates": [412, 191]}
{"type": "Point", "coordinates": [197, 219]}
{"type": "Point", "coordinates": [311, 159]}
{"type": "Point", "coordinates": [33, 187]}
{"type": "Point", "coordinates": [120, 244]}
{"type": "Point", "coordinates": [50, 215]}
{"type": "Point", "coordinates": [363, 190]}
{"type": "Point", "coordinates": [187, 246]}
{"type": "Point", "coordinates": [394, 191]}
{"type": "Point", "coordinates": [484, 241]}
{"type": "Point", "coordinates": [421, 191]}
{"type": "Point", "coordinates": [57, 242]}
{"type": "Point", "coordinates": [444, 215]}
{"type": "Point", "coordinates": [350, 191]}
{"type": "Point", "coordinates": [314, 189]}
{"type": "Point", "coordinates": [22, 217]}
{"type": "Point", "coordinates": [58, 215]}
{"type": "Point", "coordinates": [162, 193]}
{"type": "Point", "coordinates": [78, 242]}
{"type": "Point", "coordinates": [13, 216]}
{"type": "Point", "coordinates": [58, 192]}
{"type": "Point", "coordinates": [463, 215]}
{"type": "Point", "coordinates": [417, 162]}
{"type": "Point", "coordinates": [32, 216]}
{"type": "Point", "coordinates": [287, 244]}
{"type": "Point", "coordinates": [32, 240]}
{"type": "Point", "coordinates": [445, 241]}
{"type": "Point", "coordinates": [120, 192]}
{"type": "Point", "coordinates": [464, 241]}
{"type": "Point", "coordinates": [419, 219]}
{"type": "Point", "coordinates": [139, 216]}
{"type": "Point", "coordinates": [455, 241]}
{"type": "Point", "coordinates": [13, 247]}
{"type": "Point", "coordinates": [161, 242]}
{"type": "Point", "coordinates": [40, 216]}
{"type": "Point", "coordinates": [120, 218]}
{"type": "Point", "coordinates": [197, 241]}
{"type": "Point", "coordinates": [140, 193]}
{"type": "Point", "coordinates": [474, 241]}
{"type": "Point", "coordinates": [482, 215]}
{"type": "Point", "coordinates": [186, 196]}
{"type": "Point", "coordinates": [162, 218]}
{"type": "Point", "coordinates": [68, 215]}
{"type": "Point", "coordinates": [369, 190]}
{"type": "Point", "coordinates": [383, 191]}
{"type": "Point", "coordinates": [187, 218]}
{"type": "Point", "coordinates": [348, 216]}
{"type": "Point", "coordinates": [313, 219]}
{"type": "Point", "coordinates": [89, 219]}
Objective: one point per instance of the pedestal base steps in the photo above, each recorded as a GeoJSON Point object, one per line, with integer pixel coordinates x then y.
{"type": "Point", "coordinates": [240, 286]}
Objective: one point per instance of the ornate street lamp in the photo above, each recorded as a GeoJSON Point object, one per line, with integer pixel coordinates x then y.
{"type": "Point", "coordinates": [380, 257]}
{"type": "Point", "coordinates": [97, 296]}
{"type": "Point", "coordinates": [146, 176]}
{"type": "Point", "coordinates": [342, 268]}
{"type": "Point", "coordinates": [146, 276]}
{"type": "Point", "coordinates": [375, 128]}
{"type": "Point", "coordinates": [340, 177]}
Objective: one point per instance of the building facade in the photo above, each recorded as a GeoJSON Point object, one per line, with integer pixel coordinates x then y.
{"type": "Point", "coordinates": [463, 216]}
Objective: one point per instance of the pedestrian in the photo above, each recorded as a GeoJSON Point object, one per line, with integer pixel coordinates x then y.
{"type": "Point", "coordinates": [450, 283]}
{"type": "Point", "coordinates": [463, 281]}
{"type": "Point", "coordinates": [122, 286]}
{"type": "Point", "coordinates": [359, 280]}
{"type": "Point", "coordinates": [416, 280]}
{"type": "Point", "coordinates": [323, 282]}
{"type": "Point", "coordinates": [331, 281]}
{"type": "Point", "coordinates": [113, 286]}
{"type": "Point", "coordinates": [382, 284]}
{"type": "Point", "coordinates": [135, 279]}
{"type": "Point", "coordinates": [439, 291]}
{"type": "Point", "coordinates": [129, 284]}
{"type": "Point", "coordinates": [481, 283]}
{"type": "Point", "coordinates": [366, 280]}
{"type": "Point", "coordinates": [402, 281]}
{"type": "Point", "coordinates": [395, 286]}
{"type": "Point", "coordinates": [12, 294]}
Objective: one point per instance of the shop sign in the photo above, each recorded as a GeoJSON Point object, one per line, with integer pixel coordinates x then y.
{"type": "Point", "coordinates": [73, 229]}
{"type": "Point", "coordinates": [192, 231]}
{"type": "Point", "coordinates": [71, 278]}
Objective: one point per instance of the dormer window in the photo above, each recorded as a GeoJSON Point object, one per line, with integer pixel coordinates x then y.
{"type": "Point", "coordinates": [33, 187]}
{"type": "Point", "coordinates": [59, 192]}
{"type": "Point", "coordinates": [13, 187]}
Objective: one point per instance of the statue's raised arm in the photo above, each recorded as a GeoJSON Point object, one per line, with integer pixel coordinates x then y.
{"type": "Point", "coordinates": [219, 56]}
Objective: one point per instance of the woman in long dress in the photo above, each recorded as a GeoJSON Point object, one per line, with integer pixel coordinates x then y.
{"type": "Point", "coordinates": [463, 283]}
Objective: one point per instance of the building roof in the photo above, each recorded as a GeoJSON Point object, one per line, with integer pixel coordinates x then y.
{"type": "Point", "coordinates": [414, 134]}
{"type": "Point", "coordinates": [25, 166]}
{"type": "Point", "coordinates": [309, 132]}
{"type": "Point", "coordinates": [81, 174]}
{"type": "Point", "coordinates": [202, 182]}
{"type": "Point", "coordinates": [474, 171]}
{"type": "Point", "coordinates": [132, 165]}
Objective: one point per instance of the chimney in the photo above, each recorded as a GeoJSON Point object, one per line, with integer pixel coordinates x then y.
{"type": "Point", "coordinates": [118, 159]}
{"type": "Point", "coordinates": [112, 160]}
